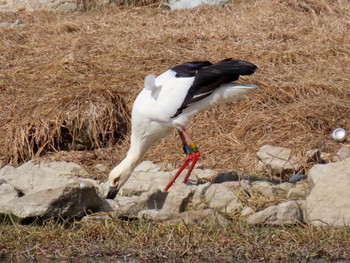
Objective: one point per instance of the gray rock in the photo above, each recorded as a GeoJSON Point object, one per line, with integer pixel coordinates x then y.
{"type": "Point", "coordinates": [177, 199]}
{"type": "Point", "coordinates": [247, 211]}
{"type": "Point", "coordinates": [147, 166]}
{"type": "Point", "coordinates": [286, 213]}
{"type": "Point", "coordinates": [199, 194]}
{"type": "Point", "coordinates": [342, 154]}
{"type": "Point", "coordinates": [28, 5]}
{"type": "Point", "coordinates": [142, 182]}
{"type": "Point", "coordinates": [185, 4]}
{"type": "Point", "coordinates": [222, 197]}
{"type": "Point", "coordinates": [7, 192]}
{"type": "Point", "coordinates": [296, 194]}
{"type": "Point", "coordinates": [131, 206]}
{"type": "Point", "coordinates": [74, 199]}
{"type": "Point", "coordinates": [329, 201]}
{"type": "Point", "coordinates": [100, 167]}
{"type": "Point", "coordinates": [10, 24]}
{"type": "Point", "coordinates": [272, 191]}
{"type": "Point", "coordinates": [30, 177]}
{"type": "Point", "coordinates": [203, 175]}
{"type": "Point", "coordinates": [278, 160]}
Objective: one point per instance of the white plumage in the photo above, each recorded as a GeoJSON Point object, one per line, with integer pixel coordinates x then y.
{"type": "Point", "coordinates": [170, 100]}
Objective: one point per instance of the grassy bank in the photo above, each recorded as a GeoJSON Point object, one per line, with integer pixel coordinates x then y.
{"type": "Point", "coordinates": [150, 240]}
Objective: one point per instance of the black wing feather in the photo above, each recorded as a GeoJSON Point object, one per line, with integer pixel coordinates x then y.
{"type": "Point", "coordinates": [208, 77]}
{"type": "Point", "coordinates": [189, 69]}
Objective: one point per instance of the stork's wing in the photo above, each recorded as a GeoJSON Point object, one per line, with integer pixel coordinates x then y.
{"type": "Point", "coordinates": [208, 77]}
{"type": "Point", "coordinates": [189, 69]}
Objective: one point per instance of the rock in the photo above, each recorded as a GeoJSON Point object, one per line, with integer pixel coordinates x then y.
{"type": "Point", "coordinates": [7, 192]}
{"type": "Point", "coordinates": [141, 182]}
{"type": "Point", "coordinates": [329, 201]}
{"type": "Point", "coordinates": [296, 194]}
{"type": "Point", "coordinates": [203, 175]}
{"type": "Point", "coordinates": [342, 154]}
{"type": "Point", "coordinates": [203, 217]}
{"type": "Point", "coordinates": [272, 191]}
{"type": "Point", "coordinates": [131, 206]}
{"type": "Point", "coordinates": [30, 177]}
{"type": "Point", "coordinates": [278, 160]}
{"type": "Point", "coordinates": [222, 197]}
{"type": "Point", "coordinates": [199, 194]}
{"type": "Point", "coordinates": [74, 199]}
{"type": "Point", "coordinates": [318, 172]}
{"type": "Point", "coordinates": [9, 24]}
{"type": "Point", "coordinates": [147, 166]}
{"type": "Point", "coordinates": [177, 199]}
{"type": "Point", "coordinates": [247, 211]}
{"type": "Point", "coordinates": [100, 167]}
{"type": "Point", "coordinates": [286, 213]}
{"type": "Point", "coordinates": [28, 5]}
{"type": "Point", "coordinates": [185, 4]}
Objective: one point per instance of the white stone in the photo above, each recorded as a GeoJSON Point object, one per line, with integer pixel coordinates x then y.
{"type": "Point", "coordinates": [185, 4]}
{"type": "Point", "coordinates": [7, 193]}
{"type": "Point", "coordinates": [281, 214]}
{"type": "Point", "coordinates": [272, 191]}
{"type": "Point", "coordinates": [329, 200]}
{"type": "Point", "coordinates": [147, 166]}
{"type": "Point", "coordinates": [30, 177]}
{"type": "Point", "coordinates": [296, 194]}
{"type": "Point", "coordinates": [177, 199]}
{"type": "Point", "coordinates": [247, 211]}
{"type": "Point", "coordinates": [342, 154]}
{"type": "Point", "coordinates": [222, 197]}
{"type": "Point", "coordinates": [66, 201]}
{"type": "Point", "coordinates": [141, 182]}
{"type": "Point", "coordinates": [278, 160]}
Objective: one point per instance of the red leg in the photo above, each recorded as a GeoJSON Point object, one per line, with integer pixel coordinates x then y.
{"type": "Point", "coordinates": [192, 155]}
{"type": "Point", "coordinates": [195, 157]}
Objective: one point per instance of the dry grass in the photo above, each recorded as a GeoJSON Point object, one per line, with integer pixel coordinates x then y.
{"type": "Point", "coordinates": [179, 243]}
{"type": "Point", "coordinates": [56, 68]}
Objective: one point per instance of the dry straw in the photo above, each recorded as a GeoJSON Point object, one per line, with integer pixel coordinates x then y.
{"type": "Point", "coordinates": [71, 74]}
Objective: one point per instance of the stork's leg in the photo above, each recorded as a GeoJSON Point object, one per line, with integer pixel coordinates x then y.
{"type": "Point", "coordinates": [192, 155]}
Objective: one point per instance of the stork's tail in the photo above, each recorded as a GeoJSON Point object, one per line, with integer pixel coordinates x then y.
{"type": "Point", "coordinates": [240, 67]}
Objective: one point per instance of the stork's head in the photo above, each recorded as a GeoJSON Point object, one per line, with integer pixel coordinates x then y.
{"type": "Point", "coordinates": [117, 178]}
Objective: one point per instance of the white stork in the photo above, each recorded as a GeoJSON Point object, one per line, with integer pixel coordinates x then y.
{"type": "Point", "coordinates": [169, 101]}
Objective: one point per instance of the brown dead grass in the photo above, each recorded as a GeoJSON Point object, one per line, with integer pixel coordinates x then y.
{"type": "Point", "coordinates": [57, 67]}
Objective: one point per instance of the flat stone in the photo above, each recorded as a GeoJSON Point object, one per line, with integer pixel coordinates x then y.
{"type": "Point", "coordinates": [177, 199]}
{"type": "Point", "coordinates": [74, 199]}
{"type": "Point", "coordinates": [329, 201]}
{"type": "Point", "coordinates": [185, 4]}
{"type": "Point", "coordinates": [278, 160]}
{"type": "Point", "coordinates": [287, 213]}
{"type": "Point", "coordinates": [147, 166]}
{"type": "Point", "coordinates": [31, 177]}
{"type": "Point", "coordinates": [222, 197]}
{"type": "Point", "coordinates": [272, 191]}
{"type": "Point", "coordinates": [141, 182]}
{"type": "Point", "coordinates": [296, 194]}
{"type": "Point", "coordinates": [7, 193]}
{"type": "Point", "coordinates": [342, 154]}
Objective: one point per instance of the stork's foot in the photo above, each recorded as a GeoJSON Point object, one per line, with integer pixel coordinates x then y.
{"type": "Point", "coordinates": [192, 156]}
